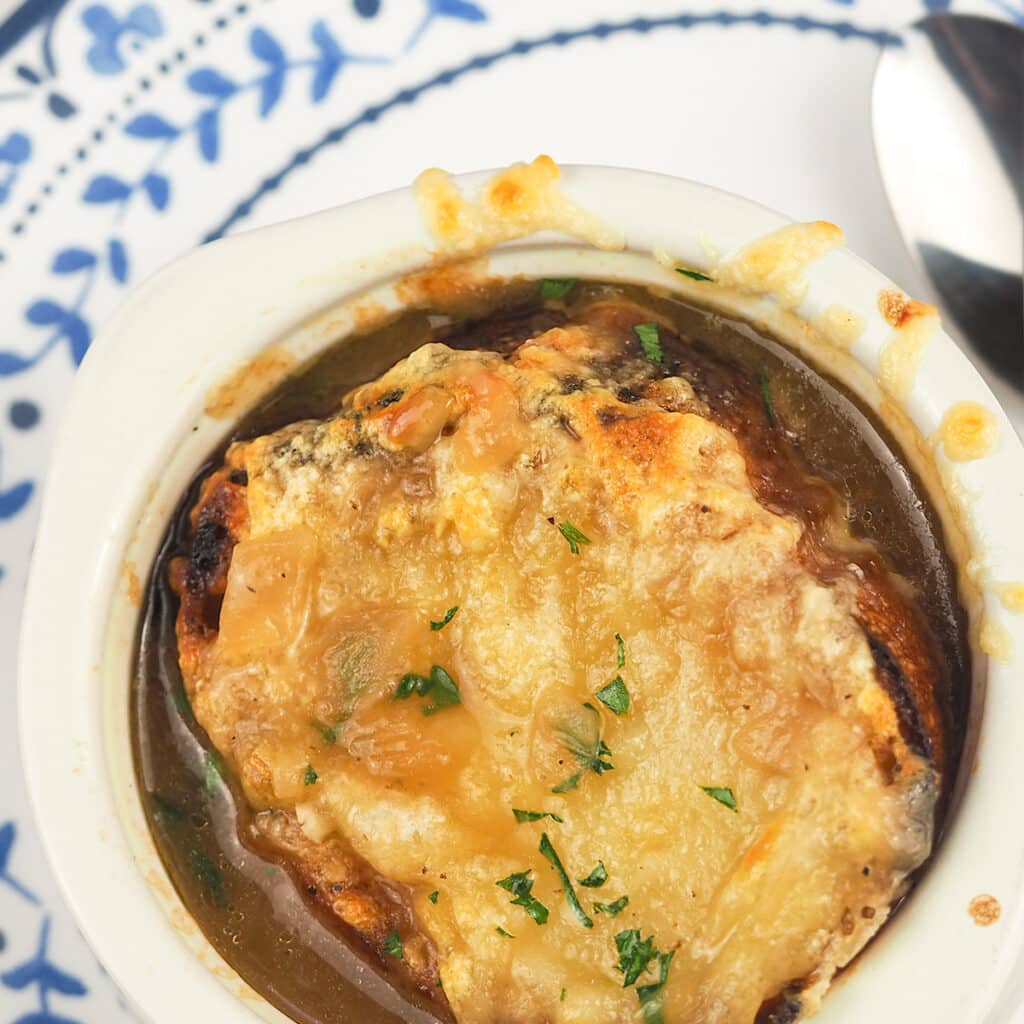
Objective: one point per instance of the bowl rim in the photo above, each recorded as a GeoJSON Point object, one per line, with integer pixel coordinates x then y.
{"type": "Point", "coordinates": [136, 412]}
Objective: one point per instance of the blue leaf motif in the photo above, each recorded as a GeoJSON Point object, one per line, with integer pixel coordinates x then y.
{"type": "Point", "coordinates": [207, 82]}
{"type": "Point", "coordinates": [10, 364]}
{"type": "Point", "coordinates": [16, 148]}
{"type": "Point", "coordinates": [60, 106]}
{"type": "Point", "coordinates": [461, 9]}
{"type": "Point", "coordinates": [27, 74]}
{"type": "Point", "coordinates": [329, 62]}
{"type": "Point", "coordinates": [45, 313]}
{"type": "Point", "coordinates": [158, 188]}
{"type": "Point", "coordinates": [67, 261]}
{"type": "Point", "coordinates": [39, 971]}
{"type": "Point", "coordinates": [270, 91]}
{"type": "Point", "coordinates": [118, 259]}
{"type": "Point", "coordinates": [208, 133]}
{"type": "Point", "coordinates": [105, 188]}
{"type": "Point", "coordinates": [266, 48]}
{"type": "Point", "coordinates": [12, 501]}
{"type": "Point", "coordinates": [76, 332]}
{"type": "Point", "coordinates": [151, 126]}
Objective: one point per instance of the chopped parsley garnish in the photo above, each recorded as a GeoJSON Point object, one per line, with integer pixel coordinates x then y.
{"type": "Point", "coordinates": [504, 934]}
{"type": "Point", "coordinates": [209, 877]}
{"type": "Point", "coordinates": [448, 616]}
{"type": "Point", "coordinates": [393, 945]}
{"type": "Point", "coordinates": [620, 651]}
{"type": "Point", "coordinates": [596, 878]}
{"type": "Point", "coordinates": [548, 851]}
{"type": "Point", "coordinates": [634, 954]}
{"type": "Point", "coordinates": [328, 733]}
{"type": "Point", "coordinates": [568, 784]}
{"type": "Point", "coordinates": [521, 885]}
{"type": "Point", "coordinates": [164, 809]}
{"type": "Point", "coordinates": [583, 739]}
{"type": "Point", "coordinates": [612, 909]}
{"type": "Point", "coordinates": [766, 396]}
{"type": "Point", "coordinates": [650, 995]}
{"type": "Point", "coordinates": [182, 703]}
{"type": "Point", "coordinates": [561, 998]}
{"type": "Point", "coordinates": [695, 275]}
{"type": "Point", "coordinates": [309, 777]}
{"type": "Point", "coordinates": [556, 287]}
{"type": "Point", "coordinates": [723, 794]}
{"type": "Point", "coordinates": [439, 685]}
{"type": "Point", "coordinates": [522, 816]}
{"type": "Point", "coordinates": [213, 772]}
{"type": "Point", "coordinates": [433, 896]}
{"type": "Point", "coordinates": [615, 696]}
{"type": "Point", "coordinates": [574, 536]}
{"type": "Point", "coordinates": [650, 341]}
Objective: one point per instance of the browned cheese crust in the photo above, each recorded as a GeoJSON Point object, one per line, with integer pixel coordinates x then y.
{"type": "Point", "coordinates": [420, 462]}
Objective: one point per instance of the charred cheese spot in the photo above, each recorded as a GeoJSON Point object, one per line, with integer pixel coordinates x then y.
{"type": "Point", "coordinates": [760, 658]}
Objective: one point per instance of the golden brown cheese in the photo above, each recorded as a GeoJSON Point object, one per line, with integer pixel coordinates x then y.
{"type": "Point", "coordinates": [444, 484]}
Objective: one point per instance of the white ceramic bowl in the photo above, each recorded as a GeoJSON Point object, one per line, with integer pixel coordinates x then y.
{"type": "Point", "coordinates": [135, 431]}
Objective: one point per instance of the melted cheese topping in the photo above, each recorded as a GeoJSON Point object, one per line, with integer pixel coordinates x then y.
{"type": "Point", "coordinates": [840, 325]}
{"type": "Point", "coordinates": [1012, 597]}
{"type": "Point", "coordinates": [968, 431]}
{"type": "Point", "coordinates": [442, 484]}
{"type": "Point", "coordinates": [521, 200]}
{"type": "Point", "coordinates": [775, 264]}
{"type": "Point", "coordinates": [914, 324]}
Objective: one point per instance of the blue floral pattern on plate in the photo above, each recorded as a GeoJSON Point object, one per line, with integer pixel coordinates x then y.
{"type": "Point", "coordinates": [114, 117]}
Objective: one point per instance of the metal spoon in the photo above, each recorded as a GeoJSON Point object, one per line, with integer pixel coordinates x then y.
{"type": "Point", "coordinates": [948, 109]}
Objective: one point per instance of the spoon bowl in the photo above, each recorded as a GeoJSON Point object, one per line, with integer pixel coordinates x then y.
{"type": "Point", "coordinates": [948, 112]}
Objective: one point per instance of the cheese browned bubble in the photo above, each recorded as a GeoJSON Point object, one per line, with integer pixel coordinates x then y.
{"type": "Point", "coordinates": [444, 483]}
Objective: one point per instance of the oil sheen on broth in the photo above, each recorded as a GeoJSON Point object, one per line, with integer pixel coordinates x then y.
{"type": "Point", "coordinates": [322, 928]}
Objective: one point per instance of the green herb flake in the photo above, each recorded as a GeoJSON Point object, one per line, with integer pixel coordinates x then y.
{"type": "Point", "coordinates": [574, 536]}
{"type": "Point", "coordinates": [548, 851]}
{"type": "Point", "coordinates": [615, 696]}
{"type": "Point", "coordinates": [650, 995]}
{"type": "Point", "coordinates": [694, 275]}
{"type": "Point", "coordinates": [556, 287]}
{"type": "Point", "coordinates": [596, 878]}
{"type": "Point", "coordinates": [568, 784]}
{"type": "Point", "coordinates": [612, 909]}
{"type": "Point", "coordinates": [393, 945]}
{"type": "Point", "coordinates": [634, 954]}
{"type": "Point", "coordinates": [620, 652]}
{"type": "Point", "coordinates": [167, 811]}
{"type": "Point", "coordinates": [723, 794]}
{"type": "Point", "coordinates": [209, 877]}
{"type": "Point", "coordinates": [182, 703]}
{"type": "Point", "coordinates": [441, 687]}
{"type": "Point", "coordinates": [329, 734]}
{"type": "Point", "coordinates": [650, 341]}
{"type": "Point", "coordinates": [504, 934]}
{"type": "Point", "coordinates": [433, 896]}
{"type": "Point", "coordinates": [521, 886]}
{"type": "Point", "coordinates": [448, 616]}
{"type": "Point", "coordinates": [561, 998]}
{"type": "Point", "coordinates": [309, 776]}
{"type": "Point", "coordinates": [213, 772]}
{"type": "Point", "coordinates": [522, 816]}
{"type": "Point", "coordinates": [583, 740]}
{"type": "Point", "coordinates": [409, 684]}
{"type": "Point", "coordinates": [766, 396]}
